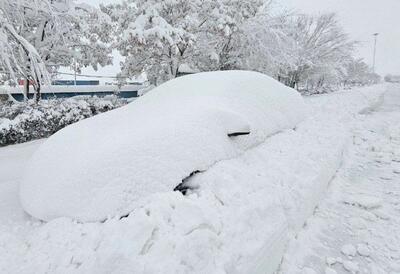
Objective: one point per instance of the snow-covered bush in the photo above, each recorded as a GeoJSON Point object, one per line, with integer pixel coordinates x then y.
{"type": "Point", "coordinates": [21, 122]}
{"type": "Point", "coordinates": [104, 165]}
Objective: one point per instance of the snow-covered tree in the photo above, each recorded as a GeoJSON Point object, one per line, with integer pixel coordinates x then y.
{"type": "Point", "coordinates": [219, 45]}
{"type": "Point", "coordinates": [265, 44]}
{"type": "Point", "coordinates": [18, 57]}
{"type": "Point", "coordinates": [154, 35]}
{"type": "Point", "coordinates": [359, 73]}
{"type": "Point", "coordinates": [42, 35]}
{"type": "Point", "coordinates": [322, 50]}
{"type": "Point", "coordinates": [157, 36]}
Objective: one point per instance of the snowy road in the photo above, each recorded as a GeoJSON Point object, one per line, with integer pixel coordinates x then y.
{"type": "Point", "coordinates": [356, 229]}
{"type": "Point", "coordinates": [12, 161]}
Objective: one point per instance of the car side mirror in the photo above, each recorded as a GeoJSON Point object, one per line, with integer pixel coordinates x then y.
{"type": "Point", "coordinates": [235, 134]}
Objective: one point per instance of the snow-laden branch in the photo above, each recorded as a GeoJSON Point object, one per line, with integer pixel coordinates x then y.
{"type": "Point", "coordinates": [42, 35]}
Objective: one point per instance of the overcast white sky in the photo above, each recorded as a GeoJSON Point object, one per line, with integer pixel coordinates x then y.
{"type": "Point", "coordinates": [360, 18]}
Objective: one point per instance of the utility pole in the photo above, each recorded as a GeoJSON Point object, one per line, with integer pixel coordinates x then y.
{"type": "Point", "coordinates": [373, 63]}
{"type": "Point", "coordinates": [74, 71]}
{"type": "Point", "coordinates": [75, 62]}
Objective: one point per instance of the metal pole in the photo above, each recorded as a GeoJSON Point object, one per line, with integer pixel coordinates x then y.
{"type": "Point", "coordinates": [373, 63]}
{"type": "Point", "coordinates": [74, 72]}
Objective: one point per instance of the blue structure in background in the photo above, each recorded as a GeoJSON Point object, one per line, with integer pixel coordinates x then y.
{"type": "Point", "coordinates": [78, 83]}
{"type": "Point", "coordinates": [72, 88]}
{"type": "Point", "coordinates": [46, 96]}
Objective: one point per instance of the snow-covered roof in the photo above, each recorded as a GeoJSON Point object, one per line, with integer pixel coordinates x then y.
{"type": "Point", "coordinates": [102, 166]}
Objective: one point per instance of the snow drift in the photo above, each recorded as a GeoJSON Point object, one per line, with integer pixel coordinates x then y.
{"type": "Point", "coordinates": [102, 166]}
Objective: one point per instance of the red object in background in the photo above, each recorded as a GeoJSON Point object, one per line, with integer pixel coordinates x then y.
{"type": "Point", "coordinates": [21, 82]}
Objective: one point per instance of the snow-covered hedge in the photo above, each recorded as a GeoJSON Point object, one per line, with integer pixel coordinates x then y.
{"type": "Point", "coordinates": [102, 166]}
{"type": "Point", "coordinates": [21, 122]}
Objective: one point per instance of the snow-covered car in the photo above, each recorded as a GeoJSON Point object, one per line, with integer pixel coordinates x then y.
{"type": "Point", "coordinates": [102, 166]}
{"type": "Point", "coordinates": [392, 78]}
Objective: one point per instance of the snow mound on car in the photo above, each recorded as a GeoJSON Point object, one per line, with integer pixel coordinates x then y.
{"type": "Point", "coordinates": [101, 166]}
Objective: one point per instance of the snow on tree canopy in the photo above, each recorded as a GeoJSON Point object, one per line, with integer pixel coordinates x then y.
{"type": "Point", "coordinates": [103, 166]}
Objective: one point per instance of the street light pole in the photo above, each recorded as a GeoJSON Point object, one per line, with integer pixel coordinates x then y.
{"type": "Point", "coordinates": [373, 63]}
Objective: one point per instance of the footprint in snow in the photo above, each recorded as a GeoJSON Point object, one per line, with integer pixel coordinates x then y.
{"type": "Point", "coordinates": [349, 250]}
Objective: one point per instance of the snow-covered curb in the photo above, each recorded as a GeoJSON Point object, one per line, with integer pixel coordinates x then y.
{"type": "Point", "coordinates": [239, 221]}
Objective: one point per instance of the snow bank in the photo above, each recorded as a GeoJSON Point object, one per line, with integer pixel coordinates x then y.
{"type": "Point", "coordinates": [103, 166]}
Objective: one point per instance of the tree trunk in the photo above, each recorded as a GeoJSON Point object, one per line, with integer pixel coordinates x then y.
{"type": "Point", "coordinates": [37, 93]}
{"type": "Point", "coordinates": [26, 88]}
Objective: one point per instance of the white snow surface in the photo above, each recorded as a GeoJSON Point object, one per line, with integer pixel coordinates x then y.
{"type": "Point", "coordinates": [103, 166]}
{"type": "Point", "coordinates": [239, 220]}
{"type": "Point", "coordinates": [355, 228]}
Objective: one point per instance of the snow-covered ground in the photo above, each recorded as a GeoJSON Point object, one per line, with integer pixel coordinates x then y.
{"type": "Point", "coordinates": [13, 159]}
{"type": "Point", "coordinates": [356, 228]}
{"type": "Point", "coordinates": [248, 211]}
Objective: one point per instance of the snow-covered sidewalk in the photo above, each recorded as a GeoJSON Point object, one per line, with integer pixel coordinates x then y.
{"type": "Point", "coordinates": [356, 229]}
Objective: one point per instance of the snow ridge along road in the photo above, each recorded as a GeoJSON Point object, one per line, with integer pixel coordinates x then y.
{"type": "Point", "coordinates": [240, 220]}
{"type": "Point", "coordinates": [356, 229]}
